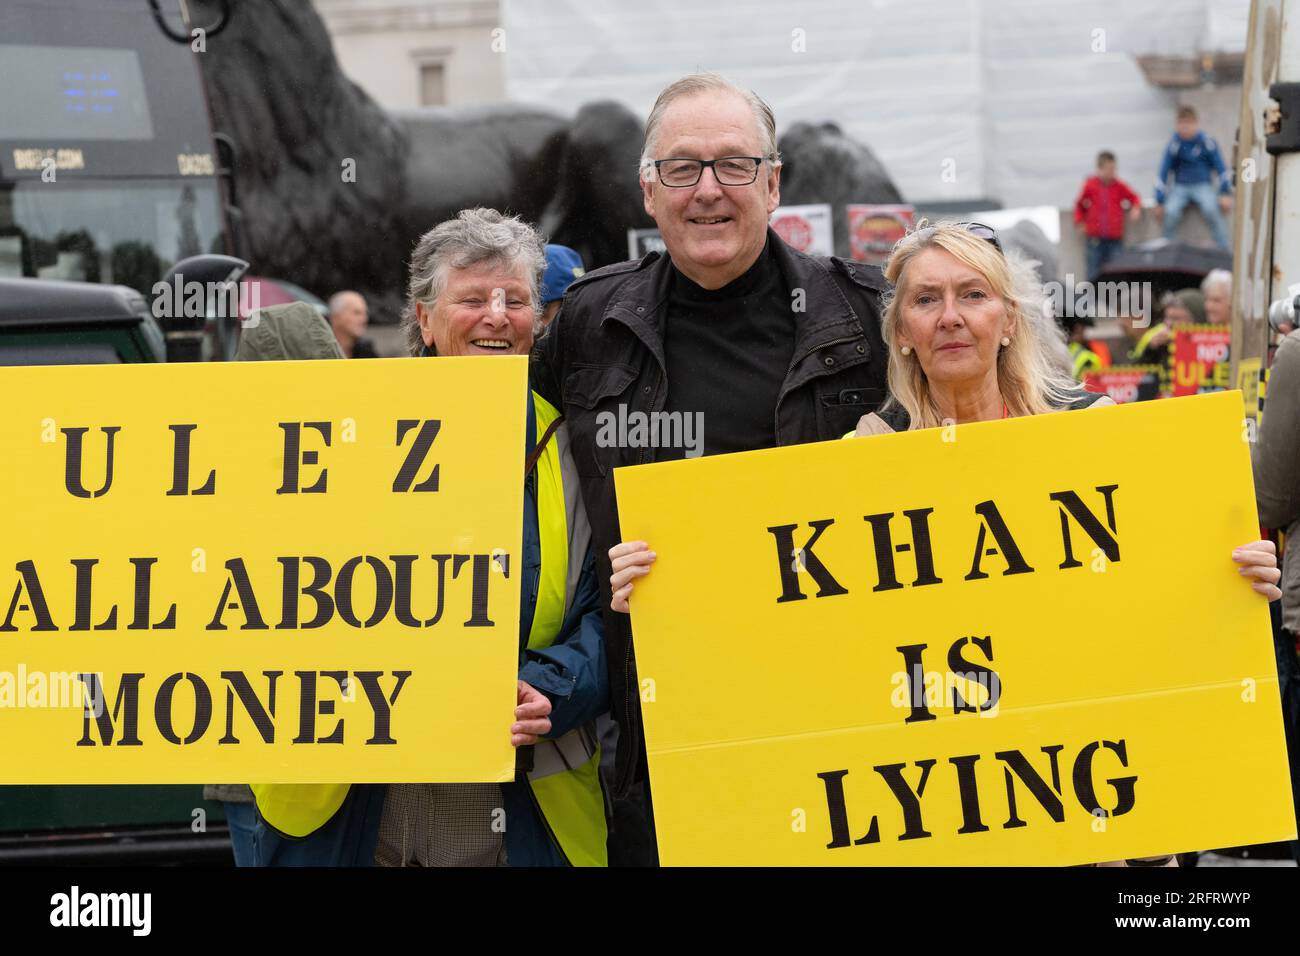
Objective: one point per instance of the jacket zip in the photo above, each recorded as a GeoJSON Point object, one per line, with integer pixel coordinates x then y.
{"type": "Point", "coordinates": [624, 783]}
{"type": "Point", "coordinates": [545, 822]}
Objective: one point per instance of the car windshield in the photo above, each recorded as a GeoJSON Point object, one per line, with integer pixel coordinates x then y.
{"type": "Point", "coordinates": [125, 232]}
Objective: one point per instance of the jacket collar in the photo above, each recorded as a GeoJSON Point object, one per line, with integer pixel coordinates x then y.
{"type": "Point", "coordinates": [641, 302]}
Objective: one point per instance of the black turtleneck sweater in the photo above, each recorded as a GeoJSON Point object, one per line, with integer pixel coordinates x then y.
{"type": "Point", "coordinates": [727, 352]}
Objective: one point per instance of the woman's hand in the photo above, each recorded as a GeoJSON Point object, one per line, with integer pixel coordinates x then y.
{"type": "Point", "coordinates": [532, 718]}
{"type": "Point", "coordinates": [629, 561]}
{"type": "Point", "coordinates": [1258, 561]}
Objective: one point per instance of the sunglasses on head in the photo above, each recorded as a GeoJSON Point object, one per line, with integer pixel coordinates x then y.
{"type": "Point", "coordinates": [981, 231]}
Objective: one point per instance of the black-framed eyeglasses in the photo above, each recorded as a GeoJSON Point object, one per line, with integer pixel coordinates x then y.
{"type": "Point", "coordinates": [729, 170]}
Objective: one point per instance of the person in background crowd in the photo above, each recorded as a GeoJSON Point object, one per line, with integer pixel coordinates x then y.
{"type": "Point", "coordinates": [1275, 458]}
{"type": "Point", "coordinates": [767, 346]}
{"type": "Point", "coordinates": [1177, 309]}
{"type": "Point", "coordinates": [473, 290]}
{"type": "Point", "coordinates": [1194, 159]}
{"type": "Point", "coordinates": [350, 318]}
{"type": "Point", "coordinates": [1185, 307]}
{"type": "Point", "coordinates": [563, 265]}
{"type": "Point", "coordinates": [291, 331]}
{"type": "Point", "coordinates": [1134, 328]}
{"type": "Point", "coordinates": [1217, 289]}
{"type": "Point", "coordinates": [1099, 213]}
{"type": "Point", "coordinates": [1083, 359]}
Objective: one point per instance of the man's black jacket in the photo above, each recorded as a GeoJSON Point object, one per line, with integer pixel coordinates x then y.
{"type": "Point", "coordinates": [606, 349]}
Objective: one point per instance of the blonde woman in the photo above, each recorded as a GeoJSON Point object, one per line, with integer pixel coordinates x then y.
{"type": "Point", "coordinates": [968, 336]}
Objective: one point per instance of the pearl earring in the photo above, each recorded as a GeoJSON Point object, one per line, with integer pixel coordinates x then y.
{"type": "Point", "coordinates": [1005, 341]}
{"type": "Point", "coordinates": [906, 350]}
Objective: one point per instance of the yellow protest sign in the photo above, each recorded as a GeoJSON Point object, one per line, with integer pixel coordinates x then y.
{"type": "Point", "coordinates": [1016, 642]}
{"type": "Point", "coordinates": [296, 572]}
{"type": "Point", "coordinates": [1251, 382]}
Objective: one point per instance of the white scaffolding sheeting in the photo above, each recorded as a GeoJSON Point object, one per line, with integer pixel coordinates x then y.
{"type": "Point", "coordinates": [1007, 100]}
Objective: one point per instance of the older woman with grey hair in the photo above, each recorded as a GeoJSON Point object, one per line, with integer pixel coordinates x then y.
{"type": "Point", "coordinates": [473, 287]}
{"type": "Point", "coordinates": [473, 291]}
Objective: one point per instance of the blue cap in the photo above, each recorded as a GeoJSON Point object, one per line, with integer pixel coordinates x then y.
{"type": "Point", "coordinates": [563, 265]}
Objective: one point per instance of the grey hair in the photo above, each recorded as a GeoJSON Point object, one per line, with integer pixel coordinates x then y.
{"type": "Point", "coordinates": [338, 298]}
{"type": "Point", "coordinates": [1217, 277]}
{"type": "Point", "coordinates": [692, 85]}
{"type": "Point", "coordinates": [474, 236]}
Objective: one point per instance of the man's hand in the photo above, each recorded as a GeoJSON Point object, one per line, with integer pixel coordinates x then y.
{"type": "Point", "coordinates": [628, 560]}
{"type": "Point", "coordinates": [1135, 213]}
{"type": "Point", "coordinates": [532, 716]}
{"type": "Point", "coordinates": [1225, 202]}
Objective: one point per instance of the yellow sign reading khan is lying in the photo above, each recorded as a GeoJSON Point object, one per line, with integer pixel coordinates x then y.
{"type": "Point", "coordinates": [291, 572]}
{"type": "Point", "coordinates": [1017, 642]}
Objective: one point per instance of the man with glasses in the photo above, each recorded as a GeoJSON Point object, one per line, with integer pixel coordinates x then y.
{"type": "Point", "coordinates": [732, 329]}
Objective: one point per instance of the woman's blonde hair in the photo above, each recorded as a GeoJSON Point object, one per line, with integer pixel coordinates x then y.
{"type": "Point", "coordinates": [1030, 378]}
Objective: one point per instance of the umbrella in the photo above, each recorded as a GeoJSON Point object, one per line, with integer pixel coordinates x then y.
{"type": "Point", "coordinates": [1172, 265]}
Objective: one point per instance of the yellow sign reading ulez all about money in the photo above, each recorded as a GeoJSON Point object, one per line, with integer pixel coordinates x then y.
{"type": "Point", "coordinates": [292, 572]}
{"type": "Point", "coordinates": [799, 637]}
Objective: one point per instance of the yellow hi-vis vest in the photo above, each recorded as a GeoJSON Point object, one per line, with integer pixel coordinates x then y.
{"type": "Point", "coordinates": [1145, 341]}
{"type": "Point", "coordinates": [565, 779]}
{"type": "Point", "coordinates": [1084, 360]}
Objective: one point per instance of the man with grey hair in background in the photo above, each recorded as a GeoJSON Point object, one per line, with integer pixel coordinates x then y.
{"type": "Point", "coordinates": [349, 318]}
{"type": "Point", "coordinates": [1217, 289]}
{"type": "Point", "coordinates": [763, 344]}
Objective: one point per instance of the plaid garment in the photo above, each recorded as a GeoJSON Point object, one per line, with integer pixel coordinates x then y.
{"type": "Point", "coordinates": [442, 824]}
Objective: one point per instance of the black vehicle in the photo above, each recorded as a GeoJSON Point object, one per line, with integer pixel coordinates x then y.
{"type": "Point", "coordinates": [108, 168]}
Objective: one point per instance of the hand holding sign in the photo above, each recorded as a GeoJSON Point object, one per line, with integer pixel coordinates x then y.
{"type": "Point", "coordinates": [629, 560]}
{"type": "Point", "coordinates": [531, 720]}
{"type": "Point", "coordinates": [1258, 560]}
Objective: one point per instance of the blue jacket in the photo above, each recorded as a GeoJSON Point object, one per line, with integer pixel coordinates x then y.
{"type": "Point", "coordinates": [1192, 161]}
{"type": "Point", "coordinates": [571, 672]}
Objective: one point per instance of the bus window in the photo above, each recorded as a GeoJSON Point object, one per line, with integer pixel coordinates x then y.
{"type": "Point", "coordinates": [116, 231]}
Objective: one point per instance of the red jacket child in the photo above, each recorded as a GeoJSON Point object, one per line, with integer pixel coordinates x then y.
{"type": "Point", "coordinates": [1103, 201]}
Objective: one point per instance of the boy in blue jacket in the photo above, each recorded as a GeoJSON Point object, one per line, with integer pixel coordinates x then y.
{"type": "Point", "coordinates": [1194, 159]}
